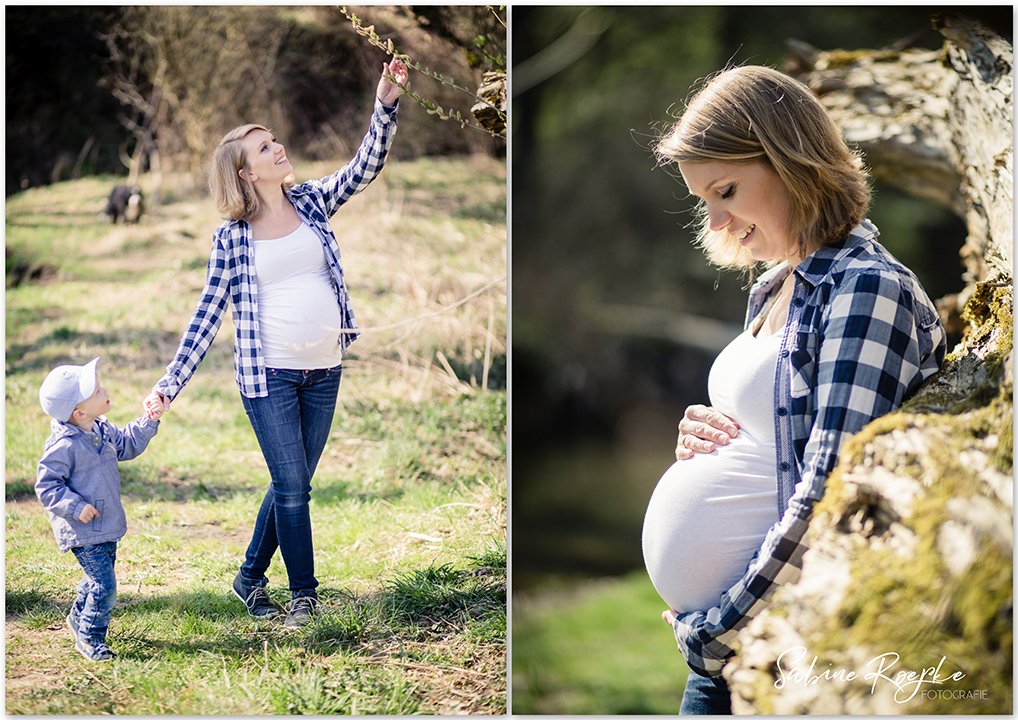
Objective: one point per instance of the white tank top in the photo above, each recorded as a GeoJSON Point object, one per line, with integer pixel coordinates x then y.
{"type": "Point", "coordinates": [298, 314]}
{"type": "Point", "coordinates": [709, 514]}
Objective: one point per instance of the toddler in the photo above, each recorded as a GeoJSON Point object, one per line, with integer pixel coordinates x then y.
{"type": "Point", "coordinates": [79, 485]}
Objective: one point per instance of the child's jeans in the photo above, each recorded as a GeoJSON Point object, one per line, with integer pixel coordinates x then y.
{"type": "Point", "coordinates": [97, 591]}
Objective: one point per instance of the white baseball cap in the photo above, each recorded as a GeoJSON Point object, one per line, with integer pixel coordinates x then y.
{"type": "Point", "coordinates": [65, 387]}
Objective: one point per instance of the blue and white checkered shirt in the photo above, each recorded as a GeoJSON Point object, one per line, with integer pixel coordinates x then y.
{"type": "Point", "coordinates": [861, 336]}
{"type": "Point", "coordinates": [231, 280]}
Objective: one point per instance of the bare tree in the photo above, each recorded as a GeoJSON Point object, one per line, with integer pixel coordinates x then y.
{"type": "Point", "coordinates": [187, 74]}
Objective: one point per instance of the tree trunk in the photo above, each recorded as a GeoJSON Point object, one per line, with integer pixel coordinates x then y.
{"type": "Point", "coordinates": [910, 565]}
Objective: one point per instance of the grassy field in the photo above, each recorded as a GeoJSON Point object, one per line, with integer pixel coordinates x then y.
{"type": "Point", "coordinates": [595, 647]}
{"type": "Point", "coordinates": [409, 500]}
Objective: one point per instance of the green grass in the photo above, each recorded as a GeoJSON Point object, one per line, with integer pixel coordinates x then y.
{"type": "Point", "coordinates": [597, 647]}
{"type": "Point", "coordinates": [409, 500]}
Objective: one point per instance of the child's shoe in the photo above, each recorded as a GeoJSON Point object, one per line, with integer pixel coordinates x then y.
{"type": "Point", "coordinates": [96, 653]}
{"type": "Point", "coordinates": [72, 624]}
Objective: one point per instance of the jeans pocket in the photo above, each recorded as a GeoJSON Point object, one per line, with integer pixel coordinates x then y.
{"type": "Point", "coordinates": [91, 558]}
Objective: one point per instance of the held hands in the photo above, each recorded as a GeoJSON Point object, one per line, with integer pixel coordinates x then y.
{"type": "Point", "coordinates": [701, 428]}
{"type": "Point", "coordinates": [393, 82]}
{"type": "Point", "coordinates": [87, 513]}
{"type": "Point", "coordinates": [155, 405]}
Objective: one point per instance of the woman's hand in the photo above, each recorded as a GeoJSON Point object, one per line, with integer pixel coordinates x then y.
{"type": "Point", "coordinates": [701, 429]}
{"type": "Point", "coordinates": [393, 81]}
{"type": "Point", "coordinates": [669, 617]}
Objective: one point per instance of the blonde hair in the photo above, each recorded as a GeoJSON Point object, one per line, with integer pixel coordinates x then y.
{"type": "Point", "coordinates": [756, 114]}
{"type": "Point", "coordinates": [235, 197]}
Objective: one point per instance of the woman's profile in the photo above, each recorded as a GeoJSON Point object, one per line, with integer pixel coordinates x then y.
{"type": "Point", "coordinates": [837, 333]}
{"type": "Point", "coordinates": [275, 263]}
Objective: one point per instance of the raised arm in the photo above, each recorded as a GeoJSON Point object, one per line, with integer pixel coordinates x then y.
{"type": "Point", "coordinates": [370, 157]}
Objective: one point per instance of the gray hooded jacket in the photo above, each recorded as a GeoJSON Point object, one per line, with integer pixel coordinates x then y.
{"type": "Point", "coordinates": [79, 467]}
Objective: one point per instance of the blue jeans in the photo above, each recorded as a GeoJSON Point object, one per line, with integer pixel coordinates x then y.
{"type": "Point", "coordinates": [292, 425]}
{"type": "Point", "coordinates": [706, 696]}
{"type": "Point", "coordinates": [97, 592]}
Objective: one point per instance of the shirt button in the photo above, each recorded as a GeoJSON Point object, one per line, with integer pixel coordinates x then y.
{"type": "Point", "coordinates": [784, 467]}
{"type": "Point", "coordinates": [784, 353]}
{"type": "Point", "coordinates": [798, 302]}
{"type": "Point", "coordinates": [782, 412]}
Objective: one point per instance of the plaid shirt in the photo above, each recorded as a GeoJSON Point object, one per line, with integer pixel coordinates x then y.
{"type": "Point", "coordinates": [861, 336]}
{"type": "Point", "coordinates": [231, 278]}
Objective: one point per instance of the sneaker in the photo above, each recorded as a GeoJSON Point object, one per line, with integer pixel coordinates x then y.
{"type": "Point", "coordinates": [257, 599]}
{"type": "Point", "coordinates": [96, 653]}
{"type": "Point", "coordinates": [300, 612]}
{"type": "Point", "coordinates": [72, 624]}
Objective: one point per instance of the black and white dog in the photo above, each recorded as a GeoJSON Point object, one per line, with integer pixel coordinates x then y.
{"type": "Point", "coordinates": [125, 202]}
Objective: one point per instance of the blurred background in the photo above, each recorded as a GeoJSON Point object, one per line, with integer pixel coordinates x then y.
{"type": "Point", "coordinates": [616, 317]}
{"type": "Point", "coordinates": [92, 89]}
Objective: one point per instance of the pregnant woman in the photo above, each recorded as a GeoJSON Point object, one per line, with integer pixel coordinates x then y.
{"type": "Point", "coordinates": [275, 263]}
{"type": "Point", "coordinates": [838, 332]}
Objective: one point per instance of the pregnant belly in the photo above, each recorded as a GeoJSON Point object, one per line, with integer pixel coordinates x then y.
{"type": "Point", "coordinates": [303, 328]}
{"type": "Point", "coordinates": [707, 517]}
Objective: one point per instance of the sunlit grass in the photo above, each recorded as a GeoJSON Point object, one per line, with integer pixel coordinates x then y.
{"type": "Point", "coordinates": [597, 647]}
